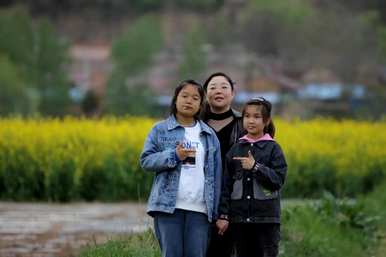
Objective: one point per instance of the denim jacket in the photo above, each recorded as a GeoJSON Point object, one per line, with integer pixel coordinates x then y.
{"type": "Point", "coordinates": [159, 156]}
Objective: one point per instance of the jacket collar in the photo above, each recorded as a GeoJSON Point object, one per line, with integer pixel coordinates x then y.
{"type": "Point", "coordinates": [261, 142]}
{"type": "Point", "coordinates": [172, 124]}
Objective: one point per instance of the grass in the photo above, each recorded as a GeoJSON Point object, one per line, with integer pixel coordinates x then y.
{"type": "Point", "coordinates": [137, 245]}
{"type": "Point", "coordinates": [327, 227]}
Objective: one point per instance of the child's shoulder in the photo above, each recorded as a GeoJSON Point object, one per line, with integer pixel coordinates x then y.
{"type": "Point", "coordinates": [276, 148]}
{"type": "Point", "coordinates": [161, 125]}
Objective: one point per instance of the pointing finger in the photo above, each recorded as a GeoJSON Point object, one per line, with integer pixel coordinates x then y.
{"type": "Point", "coordinates": [240, 158]}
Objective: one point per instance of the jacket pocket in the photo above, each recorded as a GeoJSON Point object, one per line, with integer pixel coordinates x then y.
{"type": "Point", "coordinates": [237, 192]}
{"type": "Point", "coordinates": [261, 193]}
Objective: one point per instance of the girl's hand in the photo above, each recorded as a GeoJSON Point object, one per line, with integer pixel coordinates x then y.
{"type": "Point", "coordinates": [246, 162]}
{"type": "Point", "coordinates": [182, 152]}
{"type": "Point", "coordinates": [222, 226]}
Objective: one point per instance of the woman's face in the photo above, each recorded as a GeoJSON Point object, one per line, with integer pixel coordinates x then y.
{"type": "Point", "coordinates": [188, 101]}
{"type": "Point", "coordinates": [219, 94]}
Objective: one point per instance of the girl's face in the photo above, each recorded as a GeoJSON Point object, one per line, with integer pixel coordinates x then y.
{"type": "Point", "coordinates": [188, 101]}
{"type": "Point", "coordinates": [253, 120]}
{"type": "Point", "coordinates": [219, 93]}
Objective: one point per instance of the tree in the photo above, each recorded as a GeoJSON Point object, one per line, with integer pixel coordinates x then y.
{"type": "Point", "coordinates": [194, 58]}
{"type": "Point", "coordinates": [303, 36]}
{"type": "Point", "coordinates": [132, 54]}
{"type": "Point", "coordinates": [39, 58]}
{"type": "Point", "coordinates": [13, 97]}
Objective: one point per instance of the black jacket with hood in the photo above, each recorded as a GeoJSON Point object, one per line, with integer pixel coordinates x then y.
{"type": "Point", "coordinates": [253, 196]}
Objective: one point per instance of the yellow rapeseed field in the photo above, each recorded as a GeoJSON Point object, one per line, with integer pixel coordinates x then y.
{"type": "Point", "coordinates": [346, 157]}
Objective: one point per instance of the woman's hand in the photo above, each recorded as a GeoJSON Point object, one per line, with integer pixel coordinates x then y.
{"type": "Point", "coordinates": [246, 162]}
{"type": "Point", "coordinates": [222, 226]}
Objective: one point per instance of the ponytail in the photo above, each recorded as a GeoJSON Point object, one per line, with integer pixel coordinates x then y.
{"type": "Point", "coordinates": [270, 128]}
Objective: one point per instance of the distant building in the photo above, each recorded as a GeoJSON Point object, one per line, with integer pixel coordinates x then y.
{"type": "Point", "coordinates": [90, 67]}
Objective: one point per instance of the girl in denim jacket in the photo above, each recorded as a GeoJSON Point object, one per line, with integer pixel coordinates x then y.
{"type": "Point", "coordinates": [255, 170]}
{"type": "Point", "coordinates": [184, 154]}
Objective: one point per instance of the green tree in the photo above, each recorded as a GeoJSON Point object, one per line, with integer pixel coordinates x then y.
{"type": "Point", "coordinates": [39, 57]}
{"type": "Point", "coordinates": [51, 78]}
{"type": "Point", "coordinates": [132, 54]}
{"type": "Point", "coordinates": [13, 97]}
{"type": "Point", "coordinates": [194, 57]}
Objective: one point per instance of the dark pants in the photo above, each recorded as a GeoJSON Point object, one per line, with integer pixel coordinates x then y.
{"type": "Point", "coordinates": [256, 240]}
{"type": "Point", "coordinates": [182, 234]}
{"type": "Point", "coordinates": [220, 245]}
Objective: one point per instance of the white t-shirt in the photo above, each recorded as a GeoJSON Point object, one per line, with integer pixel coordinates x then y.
{"type": "Point", "coordinates": [190, 194]}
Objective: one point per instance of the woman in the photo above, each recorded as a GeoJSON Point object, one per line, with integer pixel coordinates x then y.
{"type": "Point", "coordinates": [228, 126]}
{"type": "Point", "coordinates": [184, 154]}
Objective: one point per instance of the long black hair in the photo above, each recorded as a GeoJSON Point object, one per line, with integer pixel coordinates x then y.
{"type": "Point", "coordinates": [173, 107]}
{"type": "Point", "coordinates": [266, 108]}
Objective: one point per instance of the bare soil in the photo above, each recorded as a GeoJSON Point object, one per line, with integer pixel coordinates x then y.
{"type": "Point", "coordinates": [61, 230]}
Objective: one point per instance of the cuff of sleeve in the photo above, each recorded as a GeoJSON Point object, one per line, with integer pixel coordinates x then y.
{"type": "Point", "coordinates": [256, 167]}
{"type": "Point", "coordinates": [223, 217]}
{"type": "Point", "coordinates": [173, 159]}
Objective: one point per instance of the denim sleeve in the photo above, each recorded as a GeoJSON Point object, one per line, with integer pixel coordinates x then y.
{"type": "Point", "coordinates": [272, 177]}
{"type": "Point", "coordinates": [153, 159]}
{"type": "Point", "coordinates": [218, 176]}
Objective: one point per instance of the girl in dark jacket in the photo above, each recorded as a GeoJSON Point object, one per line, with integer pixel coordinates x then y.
{"type": "Point", "coordinates": [255, 170]}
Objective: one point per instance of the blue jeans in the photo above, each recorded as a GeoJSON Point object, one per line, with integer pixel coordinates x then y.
{"type": "Point", "coordinates": [182, 234]}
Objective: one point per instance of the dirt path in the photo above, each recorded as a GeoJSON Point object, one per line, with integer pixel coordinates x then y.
{"type": "Point", "coordinates": [60, 230]}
